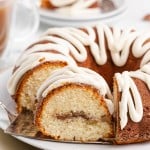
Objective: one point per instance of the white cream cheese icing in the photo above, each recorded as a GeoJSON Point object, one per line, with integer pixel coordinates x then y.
{"type": "Point", "coordinates": [119, 43]}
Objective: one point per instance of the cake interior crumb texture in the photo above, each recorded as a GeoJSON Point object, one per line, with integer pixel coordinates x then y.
{"type": "Point", "coordinates": [31, 82]}
{"type": "Point", "coordinates": [75, 112]}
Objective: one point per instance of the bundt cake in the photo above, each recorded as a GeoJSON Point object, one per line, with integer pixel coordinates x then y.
{"type": "Point", "coordinates": [72, 7]}
{"type": "Point", "coordinates": [73, 98]}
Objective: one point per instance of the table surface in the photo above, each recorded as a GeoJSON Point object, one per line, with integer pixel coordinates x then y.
{"type": "Point", "coordinates": [137, 9]}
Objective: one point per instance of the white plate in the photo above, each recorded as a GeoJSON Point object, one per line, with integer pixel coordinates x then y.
{"type": "Point", "coordinates": [61, 23]}
{"type": "Point", "coordinates": [47, 145]}
{"type": "Point", "coordinates": [54, 18]}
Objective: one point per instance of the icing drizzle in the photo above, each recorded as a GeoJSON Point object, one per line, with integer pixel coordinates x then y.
{"type": "Point", "coordinates": [119, 43]}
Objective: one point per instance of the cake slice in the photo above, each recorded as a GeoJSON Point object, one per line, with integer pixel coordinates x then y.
{"type": "Point", "coordinates": [74, 105]}
{"type": "Point", "coordinates": [31, 71]}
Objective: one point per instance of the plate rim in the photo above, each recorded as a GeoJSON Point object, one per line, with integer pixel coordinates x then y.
{"type": "Point", "coordinates": [52, 15]}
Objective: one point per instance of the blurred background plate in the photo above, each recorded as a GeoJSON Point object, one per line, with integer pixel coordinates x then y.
{"type": "Point", "coordinates": [56, 19]}
{"type": "Point", "coordinates": [59, 23]}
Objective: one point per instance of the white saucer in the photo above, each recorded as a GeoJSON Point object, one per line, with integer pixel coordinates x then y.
{"type": "Point", "coordinates": [56, 19]}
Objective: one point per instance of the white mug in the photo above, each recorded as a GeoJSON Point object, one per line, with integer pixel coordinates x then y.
{"type": "Point", "coordinates": [19, 20]}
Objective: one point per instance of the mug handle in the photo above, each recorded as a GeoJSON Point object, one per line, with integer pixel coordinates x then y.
{"type": "Point", "coordinates": [25, 20]}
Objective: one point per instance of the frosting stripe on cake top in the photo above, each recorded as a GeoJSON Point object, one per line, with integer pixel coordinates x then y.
{"type": "Point", "coordinates": [130, 98]}
{"type": "Point", "coordinates": [119, 43]}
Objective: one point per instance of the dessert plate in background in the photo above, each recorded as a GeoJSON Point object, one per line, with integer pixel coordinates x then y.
{"type": "Point", "coordinates": [48, 145]}
{"type": "Point", "coordinates": [54, 18]}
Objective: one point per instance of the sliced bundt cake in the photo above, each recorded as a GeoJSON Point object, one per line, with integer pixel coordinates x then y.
{"type": "Point", "coordinates": [122, 55]}
{"type": "Point", "coordinates": [73, 106]}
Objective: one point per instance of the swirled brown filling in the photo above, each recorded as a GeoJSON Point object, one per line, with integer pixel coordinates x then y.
{"type": "Point", "coordinates": [81, 114]}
